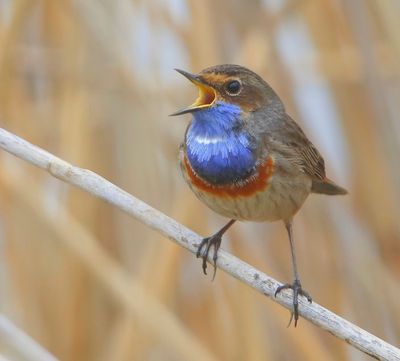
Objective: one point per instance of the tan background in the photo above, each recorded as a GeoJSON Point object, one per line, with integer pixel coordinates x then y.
{"type": "Point", "coordinates": [92, 82]}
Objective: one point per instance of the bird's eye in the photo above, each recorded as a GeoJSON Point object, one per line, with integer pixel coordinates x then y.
{"type": "Point", "coordinates": [233, 87]}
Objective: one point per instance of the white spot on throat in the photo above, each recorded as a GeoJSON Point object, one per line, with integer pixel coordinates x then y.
{"type": "Point", "coordinates": [209, 140]}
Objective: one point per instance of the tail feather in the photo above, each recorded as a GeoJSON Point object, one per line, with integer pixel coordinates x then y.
{"type": "Point", "coordinates": [326, 186]}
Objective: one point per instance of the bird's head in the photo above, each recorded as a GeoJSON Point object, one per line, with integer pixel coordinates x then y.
{"type": "Point", "coordinates": [229, 84]}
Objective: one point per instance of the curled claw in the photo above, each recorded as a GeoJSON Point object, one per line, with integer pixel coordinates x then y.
{"type": "Point", "coordinates": [207, 243]}
{"type": "Point", "coordinates": [297, 290]}
{"type": "Point", "coordinates": [213, 241]}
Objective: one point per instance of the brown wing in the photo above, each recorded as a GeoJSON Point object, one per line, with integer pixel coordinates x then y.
{"type": "Point", "coordinates": [306, 156]}
{"type": "Point", "coordinates": [312, 162]}
{"type": "Point", "coordinates": [300, 150]}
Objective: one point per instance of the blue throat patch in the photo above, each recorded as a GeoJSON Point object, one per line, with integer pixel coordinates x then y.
{"type": "Point", "coordinates": [217, 147]}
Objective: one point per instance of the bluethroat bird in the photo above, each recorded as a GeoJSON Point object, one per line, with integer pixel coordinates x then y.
{"type": "Point", "coordinates": [247, 159]}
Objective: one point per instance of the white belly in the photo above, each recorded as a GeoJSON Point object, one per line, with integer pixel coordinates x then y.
{"type": "Point", "coordinates": [280, 201]}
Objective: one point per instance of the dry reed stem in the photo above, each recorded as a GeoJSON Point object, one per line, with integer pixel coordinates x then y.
{"type": "Point", "coordinates": [103, 189]}
{"type": "Point", "coordinates": [20, 342]}
{"type": "Point", "coordinates": [136, 303]}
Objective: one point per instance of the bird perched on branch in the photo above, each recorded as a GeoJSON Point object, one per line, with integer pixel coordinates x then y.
{"type": "Point", "coordinates": [247, 159]}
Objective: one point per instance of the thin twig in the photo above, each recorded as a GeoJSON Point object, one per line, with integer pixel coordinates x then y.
{"type": "Point", "coordinates": [20, 343]}
{"type": "Point", "coordinates": [138, 307]}
{"type": "Point", "coordinates": [101, 188]}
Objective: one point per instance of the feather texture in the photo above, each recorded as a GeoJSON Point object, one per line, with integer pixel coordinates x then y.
{"type": "Point", "coordinates": [218, 149]}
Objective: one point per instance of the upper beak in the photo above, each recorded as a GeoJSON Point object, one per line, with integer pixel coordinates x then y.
{"type": "Point", "coordinates": [206, 96]}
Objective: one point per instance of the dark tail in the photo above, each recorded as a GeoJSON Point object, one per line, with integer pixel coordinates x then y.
{"type": "Point", "coordinates": [326, 186]}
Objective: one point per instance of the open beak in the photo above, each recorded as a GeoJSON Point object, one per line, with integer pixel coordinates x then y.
{"type": "Point", "coordinates": [206, 96]}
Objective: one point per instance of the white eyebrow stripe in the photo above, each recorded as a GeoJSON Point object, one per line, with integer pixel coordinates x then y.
{"type": "Point", "coordinates": [208, 140]}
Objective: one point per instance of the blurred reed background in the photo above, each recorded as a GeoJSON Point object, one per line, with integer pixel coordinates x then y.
{"type": "Point", "coordinates": [92, 82]}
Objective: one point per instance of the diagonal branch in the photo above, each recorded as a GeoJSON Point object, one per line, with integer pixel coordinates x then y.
{"type": "Point", "coordinates": [101, 188]}
{"type": "Point", "coordinates": [20, 344]}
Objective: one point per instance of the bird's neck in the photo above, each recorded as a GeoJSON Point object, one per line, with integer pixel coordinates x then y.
{"type": "Point", "coordinates": [218, 148]}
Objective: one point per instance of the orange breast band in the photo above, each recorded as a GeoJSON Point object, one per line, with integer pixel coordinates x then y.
{"type": "Point", "coordinates": [254, 184]}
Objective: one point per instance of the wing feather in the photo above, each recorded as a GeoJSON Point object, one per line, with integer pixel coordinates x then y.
{"type": "Point", "coordinates": [293, 144]}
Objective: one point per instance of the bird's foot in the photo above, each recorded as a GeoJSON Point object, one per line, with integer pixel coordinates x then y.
{"type": "Point", "coordinates": [204, 250]}
{"type": "Point", "coordinates": [297, 290]}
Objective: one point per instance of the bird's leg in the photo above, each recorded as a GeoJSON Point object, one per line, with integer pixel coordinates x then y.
{"type": "Point", "coordinates": [296, 285]}
{"type": "Point", "coordinates": [215, 241]}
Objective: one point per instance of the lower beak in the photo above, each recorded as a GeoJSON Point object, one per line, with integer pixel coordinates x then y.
{"type": "Point", "coordinates": [206, 96]}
